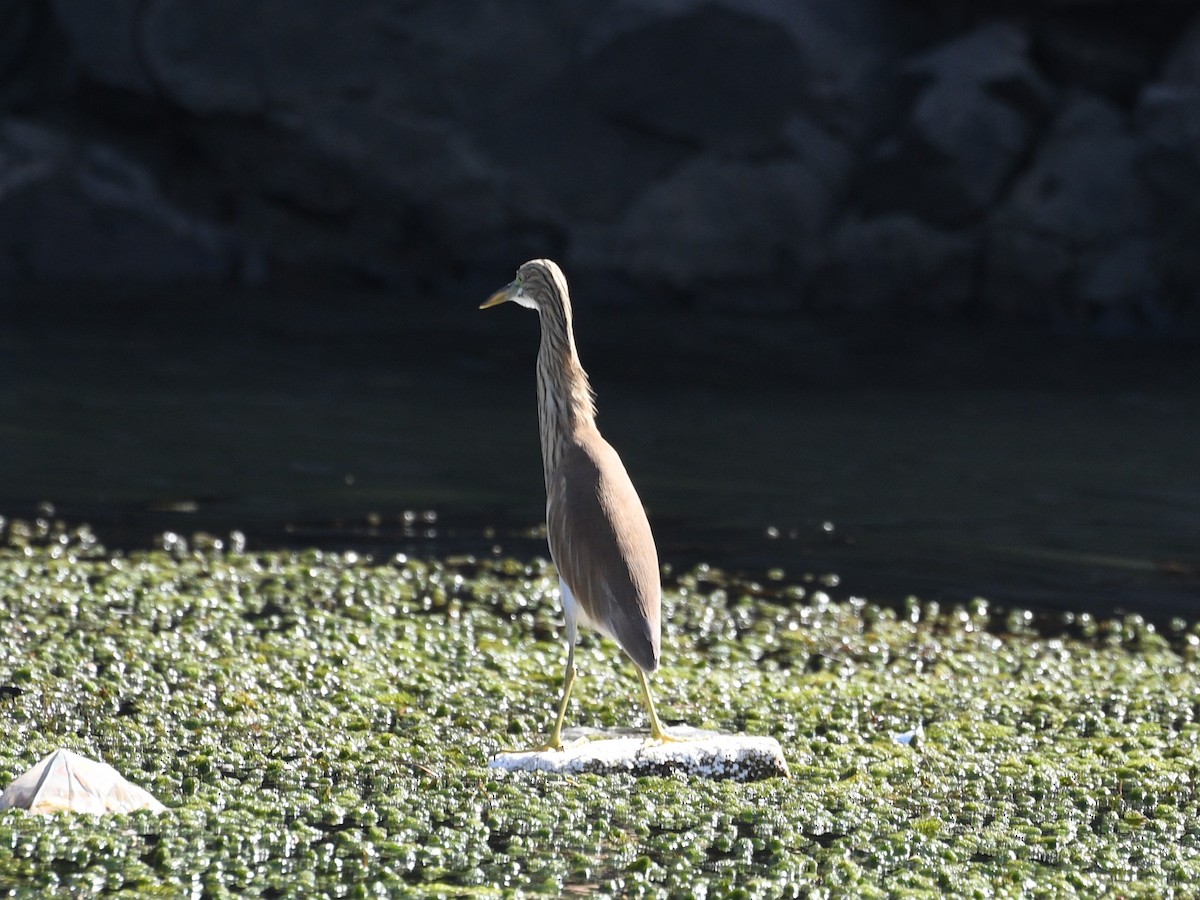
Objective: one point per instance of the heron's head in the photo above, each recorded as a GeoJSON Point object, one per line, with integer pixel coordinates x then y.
{"type": "Point", "coordinates": [539, 283]}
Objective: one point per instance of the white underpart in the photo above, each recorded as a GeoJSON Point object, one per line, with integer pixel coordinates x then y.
{"type": "Point", "coordinates": [572, 610]}
{"type": "Point", "coordinates": [576, 615]}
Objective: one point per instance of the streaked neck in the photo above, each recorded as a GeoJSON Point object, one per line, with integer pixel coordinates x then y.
{"type": "Point", "coordinates": [565, 401]}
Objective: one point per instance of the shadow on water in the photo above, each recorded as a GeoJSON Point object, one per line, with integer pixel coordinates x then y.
{"type": "Point", "coordinates": [893, 462]}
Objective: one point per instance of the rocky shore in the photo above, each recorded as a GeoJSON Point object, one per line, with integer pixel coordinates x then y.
{"type": "Point", "coordinates": [1022, 160]}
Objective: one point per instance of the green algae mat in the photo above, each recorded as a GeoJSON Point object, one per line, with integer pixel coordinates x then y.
{"type": "Point", "coordinates": [321, 723]}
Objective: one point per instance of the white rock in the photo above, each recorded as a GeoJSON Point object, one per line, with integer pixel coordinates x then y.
{"type": "Point", "coordinates": [705, 754]}
{"type": "Point", "coordinates": [67, 782]}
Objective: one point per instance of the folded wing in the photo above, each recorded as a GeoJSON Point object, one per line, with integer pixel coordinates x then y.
{"type": "Point", "coordinates": [601, 543]}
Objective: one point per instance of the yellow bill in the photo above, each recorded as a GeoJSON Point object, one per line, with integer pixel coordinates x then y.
{"type": "Point", "coordinates": [497, 298]}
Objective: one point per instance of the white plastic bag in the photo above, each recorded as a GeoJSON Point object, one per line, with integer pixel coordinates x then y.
{"type": "Point", "coordinates": [67, 782]}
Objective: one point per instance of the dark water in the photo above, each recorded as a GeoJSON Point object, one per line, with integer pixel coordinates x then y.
{"type": "Point", "coordinates": [1055, 474]}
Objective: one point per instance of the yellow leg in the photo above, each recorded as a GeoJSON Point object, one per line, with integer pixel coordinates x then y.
{"type": "Point", "coordinates": [657, 732]}
{"type": "Point", "coordinates": [555, 742]}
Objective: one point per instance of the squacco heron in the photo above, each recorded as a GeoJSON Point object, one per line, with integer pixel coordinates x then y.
{"type": "Point", "coordinates": [599, 537]}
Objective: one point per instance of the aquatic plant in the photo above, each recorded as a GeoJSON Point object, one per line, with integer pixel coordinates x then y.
{"type": "Point", "coordinates": [321, 722]}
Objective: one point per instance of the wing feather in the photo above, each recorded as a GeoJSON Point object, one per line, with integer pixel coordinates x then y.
{"type": "Point", "coordinates": [601, 542]}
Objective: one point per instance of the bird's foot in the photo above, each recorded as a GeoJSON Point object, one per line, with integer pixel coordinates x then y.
{"type": "Point", "coordinates": [541, 748]}
{"type": "Point", "coordinates": [660, 736]}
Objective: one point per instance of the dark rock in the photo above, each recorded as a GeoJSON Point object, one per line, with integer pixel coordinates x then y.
{"type": "Point", "coordinates": [1109, 59]}
{"type": "Point", "coordinates": [103, 36]}
{"type": "Point", "coordinates": [727, 231]}
{"type": "Point", "coordinates": [994, 57]}
{"type": "Point", "coordinates": [1119, 288]}
{"type": "Point", "coordinates": [257, 58]}
{"type": "Point", "coordinates": [1183, 65]}
{"type": "Point", "coordinates": [711, 77]}
{"type": "Point", "coordinates": [1080, 202]}
{"type": "Point", "coordinates": [474, 127]}
{"type": "Point", "coordinates": [17, 26]}
{"type": "Point", "coordinates": [829, 159]}
{"type": "Point", "coordinates": [1166, 117]}
{"type": "Point", "coordinates": [1168, 122]}
{"type": "Point", "coordinates": [741, 152]}
{"type": "Point", "coordinates": [75, 211]}
{"type": "Point", "coordinates": [968, 128]}
{"type": "Point", "coordinates": [565, 160]}
{"type": "Point", "coordinates": [1024, 275]}
{"type": "Point", "coordinates": [897, 261]}
{"type": "Point", "coordinates": [728, 76]}
{"type": "Point", "coordinates": [961, 146]}
{"type": "Point", "coordinates": [1082, 186]}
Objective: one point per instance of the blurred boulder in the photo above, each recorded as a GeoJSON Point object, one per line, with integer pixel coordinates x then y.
{"type": "Point", "coordinates": [744, 153]}
{"type": "Point", "coordinates": [897, 261]}
{"type": "Point", "coordinates": [709, 77]}
{"type": "Point", "coordinates": [527, 130]}
{"type": "Point", "coordinates": [74, 210]}
{"type": "Point", "coordinates": [103, 35]}
{"type": "Point", "coordinates": [741, 229]}
{"type": "Point", "coordinates": [1183, 65]}
{"type": "Point", "coordinates": [16, 26]}
{"type": "Point", "coordinates": [1082, 185]}
{"type": "Point", "coordinates": [1119, 288]}
{"type": "Point", "coordinates": [729, 76]}
{"type": "Point", "coordinates": [994, 57]}
{"type": "Point", "coordinates": [1167, 119]}
{"type": "Point", "coordinates": [1168, 124]}
{"type": "Point", "coordinates": [1079, 205]}
{"type": "Point", "coordinates": [265, 58]}
{"type": "Point", "coordinates": [975, 104]}
{"type": "Point", "coordinates": [464, 123]}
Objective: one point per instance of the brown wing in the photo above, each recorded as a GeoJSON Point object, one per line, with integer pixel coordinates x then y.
{"type": "Point", "coordinates": [602, 545]}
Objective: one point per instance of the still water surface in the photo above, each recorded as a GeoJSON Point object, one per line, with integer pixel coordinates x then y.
{"type": "Point", "coordinates": [1061, 475]}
